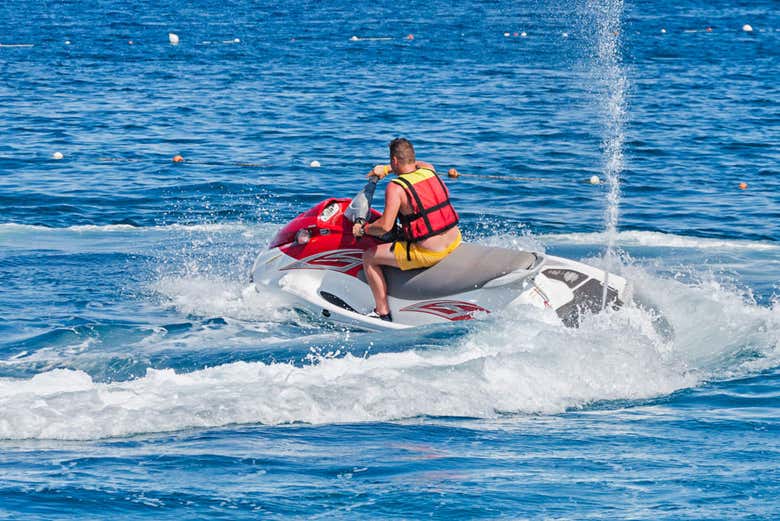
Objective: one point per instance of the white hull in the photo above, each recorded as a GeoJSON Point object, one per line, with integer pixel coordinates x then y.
{"type": "Point", "coordinates": [567, 286]}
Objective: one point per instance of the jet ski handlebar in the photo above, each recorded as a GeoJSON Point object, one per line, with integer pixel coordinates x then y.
{"type": "Point", "coordinates": [360, 206]}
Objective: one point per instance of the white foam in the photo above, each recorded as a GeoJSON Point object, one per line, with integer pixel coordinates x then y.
{"type": "Point", "coordinates": [528, 378]}
{"type": "Point", "coordinates": [718, 329]}
{"type": "Point", "coordinates": [95, 228]}
{"type": "Point", "coordinates": [214, 296]}
{"type": "Point", "coordinates": [207, 227]}
{"type": "Point", "coordinates": [370, 39]}
{"type": "Point", "coordinates": [521, 361]}
{"type": "Point", "coordinates": [514, 242]}
{"type": "Point", "coordinates": [658, 239]}
{"type": "Point", "coordinates": [129, 238]}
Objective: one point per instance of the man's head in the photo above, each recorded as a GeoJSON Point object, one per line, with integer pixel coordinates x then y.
{"type": "Point", "coordinates": [401, 153]}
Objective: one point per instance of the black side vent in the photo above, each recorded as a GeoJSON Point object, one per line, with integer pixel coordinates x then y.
{"type": "Point", "coordinates": [336, 301]}
{"type": "Point", "coordinates": [587, 299]}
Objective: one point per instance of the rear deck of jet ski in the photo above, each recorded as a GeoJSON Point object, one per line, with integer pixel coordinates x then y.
{"type": "Point", "coordinates": [469, 267]}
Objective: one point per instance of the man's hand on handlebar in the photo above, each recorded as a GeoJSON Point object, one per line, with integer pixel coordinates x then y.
{"type": "Point", "coordinates": [359, 228]}
{"type": "Point", "coordinates": [380, 171]}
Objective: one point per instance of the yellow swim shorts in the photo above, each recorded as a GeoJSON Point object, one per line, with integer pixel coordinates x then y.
{"type": "Point", "coordinates": [418, 257]}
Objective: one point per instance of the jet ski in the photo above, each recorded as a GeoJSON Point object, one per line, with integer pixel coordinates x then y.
{"type": "Point", "coordinates": [317, 261]}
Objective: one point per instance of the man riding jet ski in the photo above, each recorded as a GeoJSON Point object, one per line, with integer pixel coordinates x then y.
{"type": "Point", "coordinates": [429, 224]}
{"type": "Point", "coordinates": [341, 259]}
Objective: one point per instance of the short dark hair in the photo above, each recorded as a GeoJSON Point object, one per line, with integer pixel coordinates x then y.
{"type": "Point", "coordinates": [403, 150]}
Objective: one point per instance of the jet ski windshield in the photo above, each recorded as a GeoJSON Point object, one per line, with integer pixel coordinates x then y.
{"type": "Point", "coordinates": [360, 206]}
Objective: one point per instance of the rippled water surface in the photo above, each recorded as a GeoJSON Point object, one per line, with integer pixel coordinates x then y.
{"type": "Point", "coordinates": [143, 377]}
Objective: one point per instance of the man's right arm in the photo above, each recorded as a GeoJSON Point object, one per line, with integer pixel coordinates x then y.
{"type": "Point", "coordinates": [386, 221]}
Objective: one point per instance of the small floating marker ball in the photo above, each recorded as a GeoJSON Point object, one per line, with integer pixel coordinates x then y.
{"type": "Point", "coordinates": [130, 42]}
{"type": "Point", "coordinates": [743, 185]}
{"type": "Point", "coordinates": [315, 164]}
{"type": "Point", "coordinates": [67, 42]}
{"type": "Point", "coordinates": [173, 38]}
{"type": "Point", "coordinates": [663, 31]}
{"type": "Point", "coordinates": [354, 39]}
{"type": "Point", "coordinates": [506, 35]}
{"type": "Point", "coordinates": [594, 180]}
{"type": "Point", "coordinates": [523, 34]}
{"type": "Point", "coordinates": [515, 34]}
{"type": "Point", "coordinates": [177, 159]}
{"type": "Point", "coordinates": [747, 28]}
{"type": "Point", "coordinates": [236, 40]}
{"type": "Point", "coordinates": [565, 35]}
{"type": "Point", "coordinates": [57, 156]}
{"type": "Point", "coordinates": [410, 36]}
{"type": "Point", "coordinates": [453, 173]}
{"type": "Point", "coordinates": [708, 29]}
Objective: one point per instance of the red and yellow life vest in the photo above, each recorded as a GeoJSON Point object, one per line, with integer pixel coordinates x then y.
{"type": "Point", "coordinates": [429, 199]}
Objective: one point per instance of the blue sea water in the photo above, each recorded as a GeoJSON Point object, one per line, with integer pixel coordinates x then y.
{"type": "Point", "coordinates": [143, 377]}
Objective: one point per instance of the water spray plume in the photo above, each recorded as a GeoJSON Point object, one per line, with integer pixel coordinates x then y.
{"type": "Point", "coordinates": [614, 86]}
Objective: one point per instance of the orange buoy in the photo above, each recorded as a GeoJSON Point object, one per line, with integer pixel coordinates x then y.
{"type": "Point", "coordinates": [410, 36]}
{"type": "Point", "coordinates": [178, 159]}
{"type": "Point", "coordinates": [709, 29]}
{"type": "Point", "coordinates": [743, 185]}
{"type": "Point", "coordinates": [453, 173]}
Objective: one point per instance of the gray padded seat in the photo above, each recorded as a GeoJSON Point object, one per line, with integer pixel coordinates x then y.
{"type": "Point", "coordinates": [467, 268]}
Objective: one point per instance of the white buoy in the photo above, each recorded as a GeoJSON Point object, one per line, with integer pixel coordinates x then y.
{"type": "Point", "coordinates": [747, 28]}
{"type": "Point", "coordinates": [130, 42]}
{"type": "Point", "coordinates": [506, 35]}
{"type": "Point", "coordinates": [565, 35]}
{"type": "Point", "coordinates": [594, 180]}
{"type": "Point", "coordinates": [57, 155]}
{"type": "Point", "coordinates": [523, 34]}
{"type": "Point", "coordinates": [173, 38]}
{"type": "Point", "coordinates": [314, 164]}
{"type": "Point", "coordinates": [67, 42]}
{"type": "Point", "coordinates": [236, 40]}
{"type": "Point", "coordinates": [354, 39]}
{"type": "Point", "coordinates": [663, 31]}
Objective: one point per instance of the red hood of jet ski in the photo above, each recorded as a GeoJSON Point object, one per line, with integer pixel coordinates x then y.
{"type": "Point", "coordinates": [321, 229]}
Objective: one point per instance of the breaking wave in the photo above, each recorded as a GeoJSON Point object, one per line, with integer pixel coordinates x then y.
{"type": "Point", "coordinates": [518, 362]}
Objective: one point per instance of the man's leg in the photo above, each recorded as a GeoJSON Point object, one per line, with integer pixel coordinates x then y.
{"type": "Point", "coordinates": [373, 260]}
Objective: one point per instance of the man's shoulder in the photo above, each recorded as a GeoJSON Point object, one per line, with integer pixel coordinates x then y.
{"type": "Point", "coordinates": [394, 186]}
